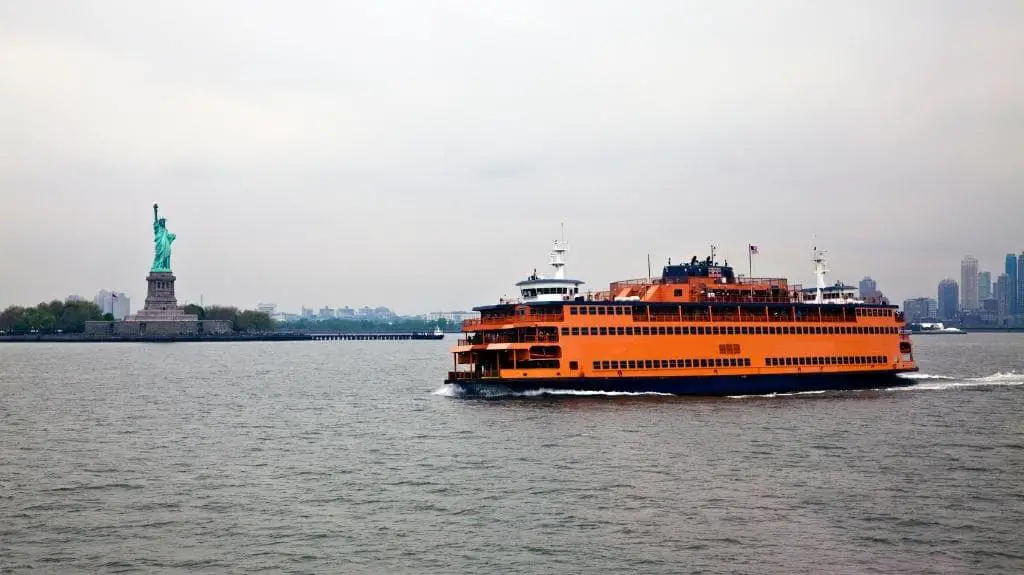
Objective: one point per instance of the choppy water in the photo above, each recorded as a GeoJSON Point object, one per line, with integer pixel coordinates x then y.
{"type": "Point", "coordinates": [346, 457]}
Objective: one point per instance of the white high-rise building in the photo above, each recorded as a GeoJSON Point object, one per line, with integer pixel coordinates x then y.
{"type": "Point", "coordinates": [969, 284]}
{"type": "Point", "coordinates": [116, 303]}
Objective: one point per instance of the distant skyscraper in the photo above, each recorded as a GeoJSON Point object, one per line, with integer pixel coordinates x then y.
{"type": "Point", "coordinates": [949, 299]}
{"type": "Point", "coordinates": [1003, 290]}
{"type": "Point", "coordinates": [868, 288]}
{"type": "Point", "coordinates": [969, 284]}
{"type": "Point", "coordinates": [984, 286]}
{"type": "Point", "coordinates": [115, 303]}
{"type": "Point", "coordinates": [920, 309]}
{"type": "Point", "coordinates": [1020, 285]}
{"type": "Point", "coordinates": [1013, 279]}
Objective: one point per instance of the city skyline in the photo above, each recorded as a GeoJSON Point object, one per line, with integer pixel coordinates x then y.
{"type": "Point", "coordinates": [423, 156]}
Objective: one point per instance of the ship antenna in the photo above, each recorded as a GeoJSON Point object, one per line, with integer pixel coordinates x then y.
{"type": "Point", "coordinates": [818, 256]}
{"type": "Point", "coordinates": [558, 256]}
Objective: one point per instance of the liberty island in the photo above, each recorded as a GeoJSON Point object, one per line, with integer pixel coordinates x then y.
{"type": "Point", "coordinates": [161, 317]}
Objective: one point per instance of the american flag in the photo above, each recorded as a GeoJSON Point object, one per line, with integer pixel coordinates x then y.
{"type": "Point", "coordinates": [753, 249]}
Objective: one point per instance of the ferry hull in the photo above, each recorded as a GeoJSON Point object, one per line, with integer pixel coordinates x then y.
{"type": "Point", "coordinates": [715, 385]}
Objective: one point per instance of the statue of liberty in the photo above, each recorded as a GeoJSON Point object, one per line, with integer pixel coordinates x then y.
{"type": "Point", "coordinates": [162, 240]}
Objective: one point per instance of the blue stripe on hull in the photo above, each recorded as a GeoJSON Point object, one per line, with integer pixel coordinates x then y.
{"type": "Point", "coordinates": [715, 385]}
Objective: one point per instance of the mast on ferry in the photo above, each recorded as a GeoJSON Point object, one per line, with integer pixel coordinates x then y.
{"type": "Point", "coordinates": [818, 256]}
{"type": "Point", "coordinates": [557, 256]}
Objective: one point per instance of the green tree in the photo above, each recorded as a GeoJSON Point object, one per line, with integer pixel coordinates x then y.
{"type": "Point", "coordinates": [39, 319]}
{"type": "Point", "coordinates": [221, 312]}
{"type": "Point", "coordinates": [193, 309]}
{"type": "Point", "coordinates": [10, 317]}
{"type": "Point", "coordinates": [74, 315]}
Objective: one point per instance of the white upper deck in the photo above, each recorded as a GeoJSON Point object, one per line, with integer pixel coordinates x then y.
{"type": "Point", "coordinates": [554, 288]}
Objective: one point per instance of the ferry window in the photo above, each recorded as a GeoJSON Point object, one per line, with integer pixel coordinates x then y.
{"type": "Point", "coordinates": [575, 331]}
{"type": "Point", "coordinates": [646, 331]}
{"type": "Point", "coordinates": [572, 310]}
{"type": "Point", "coordinates": [677, 293]}
{"type": "Point", "coordinates": [789, 361]}
{"type": "Point", "coordinates": [620, 330]}
{"type": "Point", "coordinates": [605, 365]}
{"type": "Point", "coordinates": [661, 330]}
{"type": "Point", "coordinates": [732, 362]}
{"type": "Point", "coordinates": [632, 364]}
{"type": "Point", "coordinates": [657, 364]}
{"type": "Point", "coordinates": [574, 365]}
{"type": "Point", "coordinates": [600, 311]}
{"type": "Point", "coordinates": [688, 363]}
{"type": "Point", "coordinates": [703, 363]}
{"type": "Point", "coordinates": [700, 330]}
{"type": "Point", "coordinates": [583, 310]}
{"type": "Point", "coordinates": [604, 331]}
{"type": "Point", "coordinates": [648, 364]}
{"type": "Point", "coordinates": [584, 331]}
{"type": "Point", "coordinates": [565, 331]}
{"type": "Point", "coordinates": [715, 331]}
{"type": "Point", "coordinates": [678, 330]}
{"type": "Point", "coordinates": [597, 365]}
{"type": "Point", "coordinates": [615, 364]}
{"type": "Point", "coordinates": [629, 331]}
{"type": "Point", "coordinates": [746, 362]}
{"type": "Point", "coordinates": [718, 362]}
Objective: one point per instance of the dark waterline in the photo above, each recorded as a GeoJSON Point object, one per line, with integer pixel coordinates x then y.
{"type": "Point", "coordinates": [350, 457]}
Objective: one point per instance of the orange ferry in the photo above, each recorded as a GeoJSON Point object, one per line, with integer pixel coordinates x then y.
{"type": "Point", "coordinates": [698, 329]}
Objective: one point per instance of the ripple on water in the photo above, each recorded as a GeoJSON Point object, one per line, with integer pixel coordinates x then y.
{"type": "Point", "coordinates": [302, 457]}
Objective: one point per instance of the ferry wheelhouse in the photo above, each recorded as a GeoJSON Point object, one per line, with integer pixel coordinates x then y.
{"type": "Point", "coordinates": [697, 329]}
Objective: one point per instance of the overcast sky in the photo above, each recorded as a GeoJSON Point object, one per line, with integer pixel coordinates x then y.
{"type": "Point", "coordinates": [422, 154]}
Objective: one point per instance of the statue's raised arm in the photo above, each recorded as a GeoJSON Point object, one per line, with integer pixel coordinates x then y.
{"type": "Point", "coordinates": [155, 218]}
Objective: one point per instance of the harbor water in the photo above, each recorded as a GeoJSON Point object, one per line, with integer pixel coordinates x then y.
{"type": "Point", "coordinates": [352, 457]}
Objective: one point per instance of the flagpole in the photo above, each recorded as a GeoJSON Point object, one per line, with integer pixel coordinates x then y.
{"type": "Point", "coordinates": [750, 262]}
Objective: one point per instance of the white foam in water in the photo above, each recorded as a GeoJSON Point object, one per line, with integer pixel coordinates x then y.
{"type": "Point", "coordinates": [923, 376]}
{"type": "Point", "coordinates": [926, 382]}
{"type": "Point", "coordinates": [996, 379]}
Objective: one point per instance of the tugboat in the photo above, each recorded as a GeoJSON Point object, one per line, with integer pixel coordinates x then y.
{"type": "Point", "coordinates": [697, 329]}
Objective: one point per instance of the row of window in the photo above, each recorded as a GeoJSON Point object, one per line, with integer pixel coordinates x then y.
{"type": "Point", "coordinates": [827, 360]}
{"type": "Point", "coordinates": [737, 362]}
{"type": "Point", "coordinates": [672, 363]}
{"type": "Point", "coordinates": [642, 310]}
{"type": "Point", "coordinates": [732, 330]}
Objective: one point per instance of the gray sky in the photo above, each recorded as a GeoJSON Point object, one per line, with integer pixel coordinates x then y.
{"type": "Point", "coordinates": [421, 154]}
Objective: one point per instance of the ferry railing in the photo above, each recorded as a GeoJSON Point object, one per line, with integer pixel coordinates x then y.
{"type": "Point", "coordinates": [493, 320]}
{"type": "Point", "coordinates": [508, 339]}
{"type": "Point", "coordinates": [542, 317]}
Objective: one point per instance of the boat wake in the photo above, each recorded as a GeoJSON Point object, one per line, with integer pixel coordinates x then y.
{"type": "Point", "coordinates": [929, 382]}
{"type": "Point", "coordinates": [921, 382]}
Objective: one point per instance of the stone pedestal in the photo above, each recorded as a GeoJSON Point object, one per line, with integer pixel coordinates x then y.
{"type": "Point", "coordinates": [160, 294]}
{"type": "Point", "coordinates": [160, 317]}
